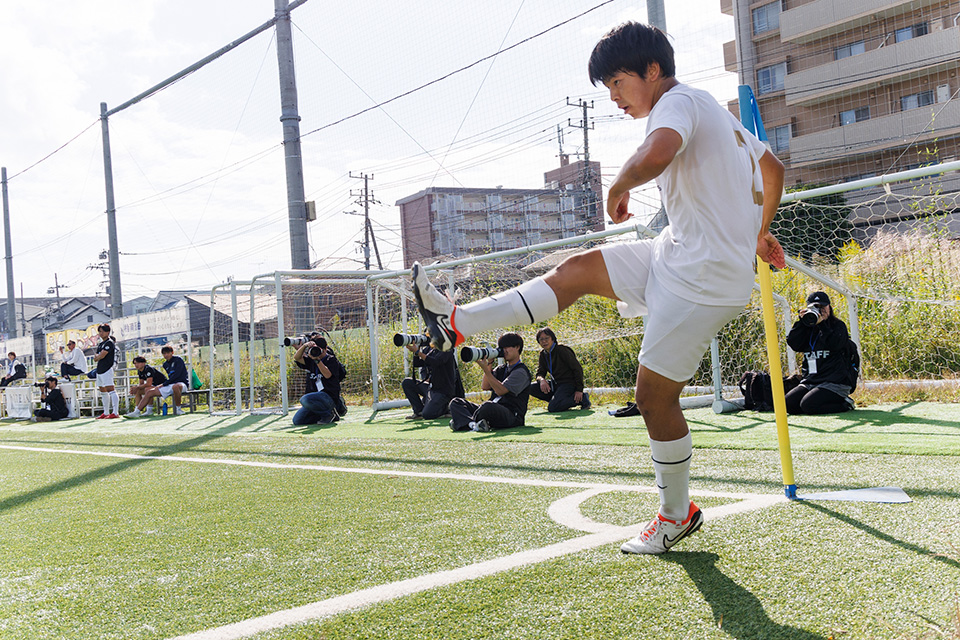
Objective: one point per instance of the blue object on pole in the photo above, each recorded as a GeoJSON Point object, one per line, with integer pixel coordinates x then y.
{"type": "Point", "coordinates": [750, 112]}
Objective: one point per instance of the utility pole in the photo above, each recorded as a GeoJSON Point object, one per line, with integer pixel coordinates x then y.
{"type": "Point", "coordinates": [293, 161]}
{"type": "Point", "coordinates": [365, 198]}
{"type": "Point", "coordinates": [586, 172]}
{"type": "Point", "coordinates": [655, 15]}
{"type": "Point", "coordinates": [56, 289]}
{"type": "Point", "coordinates": [116, 300]}
{"type": "Point", "coordinates": [7, 243]}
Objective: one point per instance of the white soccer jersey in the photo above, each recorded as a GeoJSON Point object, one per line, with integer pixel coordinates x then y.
{"type": "Point", "coordinates": [713, 194]}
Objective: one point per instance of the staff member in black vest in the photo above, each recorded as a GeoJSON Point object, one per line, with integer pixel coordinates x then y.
{"type": "Point", "coordinates": [559, 380]}
{"type": "Point", "coordinates": [509, 387]}
{"type": "Point", "coordinates": [823, 340]}
{"type": "Point", "coordinates": [55, 406]}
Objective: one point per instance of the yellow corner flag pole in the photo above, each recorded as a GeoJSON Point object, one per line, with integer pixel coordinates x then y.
{"type": "Point", "coordinates": [776, 378]}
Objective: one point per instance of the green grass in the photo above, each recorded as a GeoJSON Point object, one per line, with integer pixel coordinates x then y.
{"type": "Point", "coordinates": [111, 547]}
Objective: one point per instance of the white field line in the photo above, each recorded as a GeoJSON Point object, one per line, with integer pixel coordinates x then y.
{"type": "Point", "coordinates": [565, 511]}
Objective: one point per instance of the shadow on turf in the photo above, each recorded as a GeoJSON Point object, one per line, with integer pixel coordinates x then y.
{"type": "Point", "coordinates": [850, 420]}
{"type": "Point", "coordinates": [907, 546]}
{"type": "Point", "coordinates": [92, 476]}
{"type": "Point", "coordinates": [736, 611]}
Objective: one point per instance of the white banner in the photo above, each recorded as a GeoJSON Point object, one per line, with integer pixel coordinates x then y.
{"type": "Point", "coordinates": [152, 325]}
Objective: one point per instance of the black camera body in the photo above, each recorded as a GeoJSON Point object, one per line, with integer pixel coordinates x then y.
{"type": "Point", "coordinates": [810, 315]}
{"type": "Point", "coordinates": [472, 354]}
{"type": "Point", "coordinates": [404, 339]}
{"type": "Point", "coordinates": [40, 384]}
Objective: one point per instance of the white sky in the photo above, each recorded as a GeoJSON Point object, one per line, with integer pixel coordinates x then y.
{"type": "Point", "coordinates": [198, 168]}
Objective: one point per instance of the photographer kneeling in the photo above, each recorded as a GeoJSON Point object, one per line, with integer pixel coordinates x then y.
{"type": "Point", "coordinates": [321, 404]}
{"type": "Point", "coordinates": [828, 373]}
{"type": "Point", "coordinates": [509, 385]}
{"type": "Point", "coordinates": [55, 407]}
{"type": "Point", "coordinates": [440, 382]}
{"type": "Point", "coordinates": [559, 380]}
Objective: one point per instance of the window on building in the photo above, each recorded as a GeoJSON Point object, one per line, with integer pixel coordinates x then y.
{"type": "Point", "coordinates": [766, 18]}
{"type": "Point", "coordinates": [770, 78]}
{"type": "Point", "coordinates": [848, 50]}
{"type": "Point", "coordinates": [89, 318]}
{"type": "Point", "coordinates": [780, 139]}
{"type": "Point", "coordinates": [916, 100]}
{"type": "Point", "coordinates": [914, 31]}
{"type": "Point", "coordinates": [854, 115]}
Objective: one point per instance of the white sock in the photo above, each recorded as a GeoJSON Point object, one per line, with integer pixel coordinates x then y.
{"type": "Point", "coordinates": [671, 462]}
{"type": "Point", "coordinates": [530, 303]}
{"type": "Point", "coordinates": [114, 398]}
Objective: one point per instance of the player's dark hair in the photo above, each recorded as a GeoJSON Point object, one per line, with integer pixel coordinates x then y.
{"type": "Point", "coordinates": [52, 379]}
{"type": "Point", "coordinates": [166, 349]}
{"type": "Point", "coordinates": [631, 47]}
{"type": "Point", "coordinates": [104, 327]}
{"type": "Point", "coordinates": [320, 341]}
{"type": "Point", "coordinates": [12, 354]}
{"type": "Point", "coordinates": [140, 359]}
{"type": "Point", "coordinates": [510, 340]}
{"type": "Point", "coordinates": [546, 331]}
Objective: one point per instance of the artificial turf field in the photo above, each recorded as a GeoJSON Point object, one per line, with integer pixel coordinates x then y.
{"type": "Point", "coordinates": [220, 527]}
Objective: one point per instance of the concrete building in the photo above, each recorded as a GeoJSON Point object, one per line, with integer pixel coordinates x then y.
{"type": "Point", "coordinates": [457, 221]}
{"type": "Point", "coordinates": [851, 89]}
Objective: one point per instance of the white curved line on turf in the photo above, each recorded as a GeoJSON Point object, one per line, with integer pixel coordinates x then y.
{"type": "Point", "coordinates": [566, 511]}
{"type": "Point", "coordinates": [605, 535]}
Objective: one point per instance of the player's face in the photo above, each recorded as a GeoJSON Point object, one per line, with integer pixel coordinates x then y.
{"type": "Point", "coordinates": [139, 365]}
{"type": "Point", "coordinates": [167, 355]}
{"type": "Point", "coordinates": [633, 94]}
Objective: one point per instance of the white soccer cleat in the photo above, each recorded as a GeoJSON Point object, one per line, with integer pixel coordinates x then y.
{"type": "Point", "coordinates": [134, 414]}
{"type": "Point", "coordinates": [177, 411]}
{"type": "Point", "coordinates": [662, 533]}
{"type": "Point", "coordinates": [148, 411]}
{"type": "Point", "coordinates": [437, 311]}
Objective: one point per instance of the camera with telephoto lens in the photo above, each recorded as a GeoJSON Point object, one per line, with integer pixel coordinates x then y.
{"type": "Point", "coordinates": [40, 384]}
{"type": "Point", "coordinates": [810, 315]}
{"type": "Point", "coordinates": [299, 341]}
{"type": "Point", "coordinates": [472, 354]}
{"type": "Point", "coordinates": [403, 339]}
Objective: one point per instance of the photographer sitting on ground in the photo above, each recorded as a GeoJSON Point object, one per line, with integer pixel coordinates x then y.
{"type": "Point", "coordinates": [74, 363]}
{"type": "Point", "coordinates": [321, 404]}
{"type": "Point", "coordinates": [828, 375]}
{"type": "Point", "coordinates": [430, 396]}
{"type": "Point", "coordinates": [559, 380]}
{"type": "Point", "coordinates": [15, 370]}
{"type": "Point", "coordinates": [55, 407]}
{"type": "Point", "coordinates": [509, 386]}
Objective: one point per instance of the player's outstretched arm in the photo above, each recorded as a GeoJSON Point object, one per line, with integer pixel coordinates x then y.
{"type": "Point", "coordinates": [768, 248]}
{"type": "Point", "coordinates": [647, 162]}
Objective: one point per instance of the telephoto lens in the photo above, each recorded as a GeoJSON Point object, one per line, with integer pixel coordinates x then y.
{"type": "Point", "coordinates": [471, 354]}
{"type": "Point", "coordinates": [810, 315]}
{"type": "Point", "coordinates": [403, 339]}
{"type": "Point", "coordinates": [315, 352]}
{"type": "Point", "coordinates": [294, 341]}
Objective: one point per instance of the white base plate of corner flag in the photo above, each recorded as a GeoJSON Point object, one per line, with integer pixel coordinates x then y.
{"type": "Point", "coordinates": [876, 494]}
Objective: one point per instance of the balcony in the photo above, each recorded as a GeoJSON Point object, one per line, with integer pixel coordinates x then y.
{"type": "Point", "coordinates": [827, 17]}
{"type": "Point", "coordinates": [930, 53]}
{"type": "Point", "coordinates": [876, 134]}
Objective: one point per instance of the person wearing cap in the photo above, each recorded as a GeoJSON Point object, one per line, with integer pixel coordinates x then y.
{"type": "Point", "coordinates": [55, 407]}
{"type": "Point", "coordinates": [509, 387]}
{"type": "Point", "coordinates": [824, 341]}
{"type": "Point", "coordinates": [73, 362]}
{"type": "Point", "coordinates": [440, 382]}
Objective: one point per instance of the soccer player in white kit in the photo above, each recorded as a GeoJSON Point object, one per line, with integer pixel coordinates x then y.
{"type": "Point", "coordinates": [720, 187]}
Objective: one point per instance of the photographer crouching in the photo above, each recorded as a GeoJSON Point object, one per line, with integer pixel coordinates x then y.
{"type": "Point", "coordinates": [509, 386]}
{"type": "Point", "coordinates": [829, 374]}
{"type": "Point", "coordinates": [440, 379]}
{"type": "Point", "coordinates": [321, 404]}
{"type": "Point", "coordinates": [55, 407]}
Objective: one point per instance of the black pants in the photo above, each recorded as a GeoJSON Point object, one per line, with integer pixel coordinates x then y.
{"type": "Point", "coordinates": [560, 397]}
{"type": "Point", "coordinates": [70, 370]}
{"type": "Point", "coordinates": [423, 399]}
{"type": "Point", "coordinates": [804, 399]}
{"type": "Point", "coordinates": [49, 413]}
{"type": "Point", "coordinates": [463, 412]}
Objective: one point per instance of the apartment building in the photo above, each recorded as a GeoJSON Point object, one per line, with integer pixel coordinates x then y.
{"type": "Point", "coordinates": [851, 89]}
{"type": "Point", "coordinates": [454, 222]}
